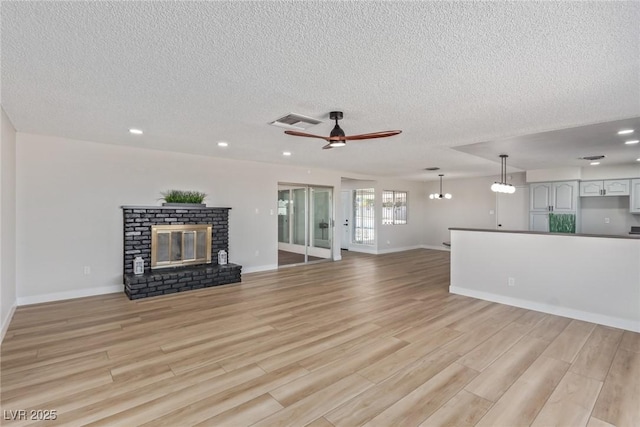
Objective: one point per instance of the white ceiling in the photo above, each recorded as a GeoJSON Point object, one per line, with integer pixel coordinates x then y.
{"type": "Point", "coordinates": [449, 74]}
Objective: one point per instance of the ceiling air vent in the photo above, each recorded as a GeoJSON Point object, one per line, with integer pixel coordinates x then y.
{"type": "Point", "coordinates": [435, 168]}
{"type": "Point", "coordinates": [592, 157]}
{"type": "Point", "coordinates": [295, 121]}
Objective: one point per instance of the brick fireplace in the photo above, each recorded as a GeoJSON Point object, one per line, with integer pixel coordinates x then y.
{"type": "Point", "coordinates": [138, 223]}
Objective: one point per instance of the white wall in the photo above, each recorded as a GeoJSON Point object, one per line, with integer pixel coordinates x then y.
{"type": "Point", "coordinates": [588, 278]}
{"type": "Point", "coordinates": [393, 238]}
{"type": "Point", "coordinates": [558, 174]}
{"type": "Point", "coordinates": [7, 222]}
{"type": "Point", "coordinates": [473, 206]}
{"type": "Point", "coordinates": [611, 172]}
{"type": "Point", "coordinates": [69, 194]}
{"type": "Point", "coordinates": [594, 211]}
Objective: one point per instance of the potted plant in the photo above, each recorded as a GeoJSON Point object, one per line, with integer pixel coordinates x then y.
{"type": "Point", "coordinates": [182, 198]}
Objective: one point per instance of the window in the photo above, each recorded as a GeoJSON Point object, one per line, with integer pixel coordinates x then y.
{"type": "Point", "coordinates": [364, 216]}
{"type": "Point", "coordinates": [394, 207]}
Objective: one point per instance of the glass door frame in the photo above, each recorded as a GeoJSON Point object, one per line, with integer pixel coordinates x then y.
{"type": "Point", "coordinates": [308, 248]}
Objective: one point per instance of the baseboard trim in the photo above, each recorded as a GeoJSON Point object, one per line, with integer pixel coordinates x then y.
{"type": "Point", "coordinates": [7, 321]}
{"type": "Point", "coordinates": [363, 250]}
{"type": "Point", "coordinates": [374, 251]}
{"type": "Point", "coordinates": [586, 316]}
{"type": "Point", "coordinates": [393, 250]}
{"type": "Point", "coordinates": [259, 268]}
{"type": "Point", "coordinates": [58, 296]}
{"type": "Point", "coordinates": [437, 248]}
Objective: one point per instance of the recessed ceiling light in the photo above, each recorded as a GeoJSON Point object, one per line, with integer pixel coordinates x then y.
{"type": "Point", "coordinates": [633, 141]}
{"type": "Point", "coordinates": [594, 163]}
{"type": "Point", "coordinates": [223, 144]}
{"type": "Point", "coordinates": [286, 153]}
{"type": "Point", "coordinates": [638, 159]}
{"type": "Point", "coordinates": [135, 131]}
{"type": "Point", "coordinates": [625, 131]}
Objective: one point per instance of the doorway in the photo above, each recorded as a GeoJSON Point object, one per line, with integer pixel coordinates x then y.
{"type": "Point", "coordinates": [343, 221]}
{"type": "Point", "coordinates": [305, 223]}
{"type": "Point", "coordinates": [513, 210]}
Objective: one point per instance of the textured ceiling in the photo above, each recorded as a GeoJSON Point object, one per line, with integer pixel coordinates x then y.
{"type": "Point", "coordinates": [448, 74]}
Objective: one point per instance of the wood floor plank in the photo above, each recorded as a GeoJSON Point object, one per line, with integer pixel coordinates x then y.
{"type": "Point", "coordinates": [198, 409]}
{"type": "Point", "coordinates": [594, 360]}
{"type": "Point", "coordinates": [549, 327]}
{"type": "Point", "coordinates": [618, 400]}
{"type": "Point", "coordinates": [473, 338]}
{"type": "Point", "coordinates": [298, 353]}
{"type": "Point", "coordinates": [342, 351]}
{"type": "Point", "coordinates": [531, 318]}
{"type": "Point", "coordinates": [372, 339]}
{"type": "Point", "coordinates": [379, 371]}
{"type": "Point", "coordinates": [118, 403]}
{"type": "Point", "coordinates": [149, 407]}
{"type": "Point", "coordinates": [315, 381]}
{"type": "Point", "coordinates": [493, 347]}
{"type": "Point", "coordinates": [595, 422]}
{"type": "Point", "coordinates": [369, 404]}
{"type": "Point", "coordinates": [463, 410]}
{"type": "Point", "coordinates": [630, 341]}
{"type": "Point", "coordinates": [314, 406]}
{"type": "Point", "coordinates": [416, 406]}
{"type": "Point", "coordinates": [245, 414]}
{"type": "Point", "coordinates": [320, 422]}
{"type": "Point", "coordinates": [501, 374]}
{"type": "Point", "coordinates": [568, 344]}
{"type": "Point", "coordinates": [65, 404]}
{"type": "Point", "coordinates": [520, 404]}
{"type": "Point", "coordinates": [571, 402]}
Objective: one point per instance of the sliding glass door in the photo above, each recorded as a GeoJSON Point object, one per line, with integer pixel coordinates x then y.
{"type": "Point", "coordinates": [305, 223]}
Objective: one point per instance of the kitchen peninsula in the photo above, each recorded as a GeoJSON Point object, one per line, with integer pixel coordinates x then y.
{"type": "Point", "coordinates": [594, 278]}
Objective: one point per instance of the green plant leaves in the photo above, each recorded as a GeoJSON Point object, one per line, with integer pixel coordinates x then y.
{"type": "Point", "coordinates": [179, 196]}
{"type": "Point", "coordinates": [562, 223]}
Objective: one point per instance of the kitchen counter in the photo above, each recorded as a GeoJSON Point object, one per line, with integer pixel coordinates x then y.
{"type": "Point", "coordinates": [608, 236]}
{"type": "Point", "coordinates": [593, 278]}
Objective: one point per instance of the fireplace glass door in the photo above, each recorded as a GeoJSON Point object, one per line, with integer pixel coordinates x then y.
{"type": "Point", "coordinates": [176, 245]}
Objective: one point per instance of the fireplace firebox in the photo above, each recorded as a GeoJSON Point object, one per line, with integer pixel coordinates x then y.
{"type": "Point", "coordinates": [180, 245]}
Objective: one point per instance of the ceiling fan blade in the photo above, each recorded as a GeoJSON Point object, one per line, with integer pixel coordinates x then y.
{"type": "Point", "coordinates": [372, 135]}
{"type": "Point", "coordinates": [308, 135]}
{"type": "Point", "coordinates": [327, 147]}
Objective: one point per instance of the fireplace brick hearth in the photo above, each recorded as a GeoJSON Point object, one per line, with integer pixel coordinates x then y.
{"type": "Point", "coordinates": [137, 242]}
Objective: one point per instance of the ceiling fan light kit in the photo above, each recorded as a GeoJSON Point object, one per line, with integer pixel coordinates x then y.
{"type": "Point", "coordinates": [502, 186]}
{"type": "Point", "coordinates": [440, 196]}
{"type": "Point", "coordinates": [337, 137]}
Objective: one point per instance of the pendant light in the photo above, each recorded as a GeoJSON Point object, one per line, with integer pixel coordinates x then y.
{"type": "Point", "coordinates": [502, 186]}
{"type": "Point", "coordinates": [440, 196]}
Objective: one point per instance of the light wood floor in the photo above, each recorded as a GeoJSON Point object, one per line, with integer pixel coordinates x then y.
{"type": "Point", "coordinates": [287, 258]}
{"type": "Point", "coordinates": [370, 340]}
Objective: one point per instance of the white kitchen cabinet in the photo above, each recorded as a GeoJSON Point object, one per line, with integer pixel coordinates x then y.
{"type": "Point", "coordinates": [609, 187]}
{"type": "Point", "coordinates": [540, 197]}
{"type": "Point", "coordinates": [561, 196]}
{"type": "Point", "coordinates": [634, 201]}
{"type": "Point", "coordinates": [591, 188]}
{"type": "Point", "coordinates": [551, 197]}
{"type": "Point", "coordinates": [565, 197]}
{"type": "Point", "coordinates": [539, 221]}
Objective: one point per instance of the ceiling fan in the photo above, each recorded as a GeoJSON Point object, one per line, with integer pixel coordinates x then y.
{"type": "Point", "coordinates": [337, 138]}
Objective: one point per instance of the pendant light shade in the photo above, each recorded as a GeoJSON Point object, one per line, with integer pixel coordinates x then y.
{"type": "Point", "coordinates": [502, 186]}
{"type": "Point", "coordinates": [438, 196]}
